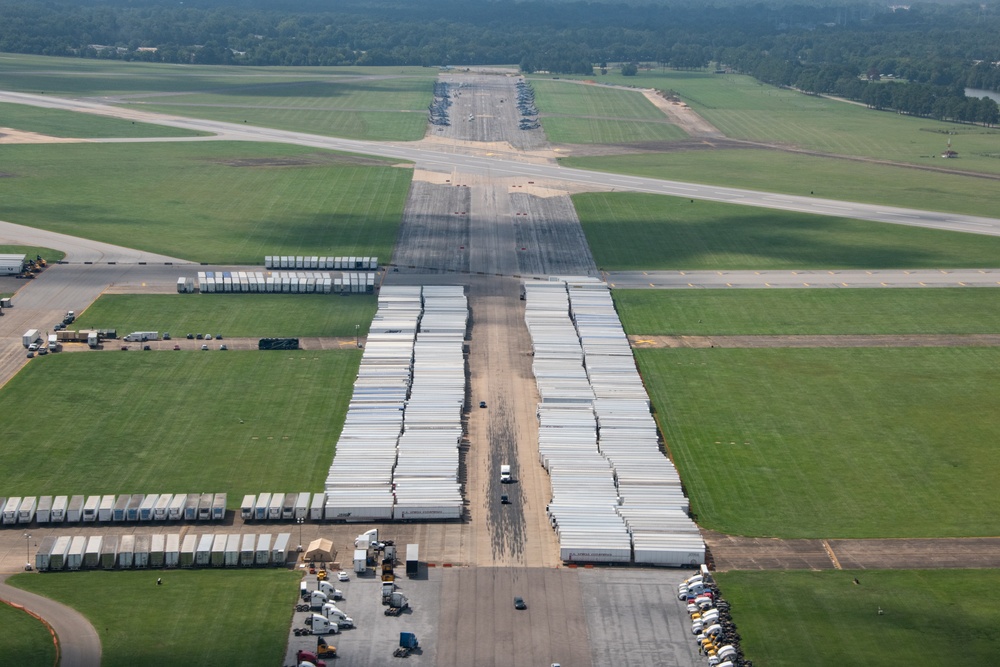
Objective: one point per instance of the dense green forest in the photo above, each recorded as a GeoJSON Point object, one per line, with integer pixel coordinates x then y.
{"type": "Point", "coordinates": [845, 48]}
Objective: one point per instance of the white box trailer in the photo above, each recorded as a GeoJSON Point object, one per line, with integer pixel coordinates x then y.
{"type": "Point", "coordinates": [205, 507]}
{"type": "Point", "coordinates": [58, 514]}
{"type": "Point", "coordinates": [74, 557]}
{"type": "Point", "coordinates": [175, 511]}
{"type": "Point", "coordinates": [191, 507]}
{"type": "Point", "coordinates": [120, 511]}
{"type": "Point", "coordinates": [274, 508]}
{"type": "Point", "coordinates": [126, 551]}
{"type": "Point", "coordinates": [232, 550]}
{"type": "Point", "coordinates": [10, 510]}
{"type": "Point", "coordinates": [247, 545]}
{"type": "Point", "coordinates": [246, 507]}
{"type": "Point", "coordinates": [43, 555]}
{"type": "Point", "coordinates": [147, 507]}
{"type": "Point", "coordinates": [219, 507]}
{"type": "Point", "coordinates": [360, 561]}
{"type": "Point", "coordinates": [90, 509]}
{"type": "Point", "coordinates": [30, 336]}
{"type": "Point", "coordinates": [157, 547]}
{"type": "Point", "coordinates": [26, 511]}
{"type": "Point", "coordinates": [279, 552]}
{"type": "Point", "coordinates": [162, 507]}
{"type": "Point", "coordinates": [302, 505]}
{"type": "Point", "coordinates": [57, 558]}
{"type": "Point", "coordinates": [188, 549]}
{"type": "Point", "coordinates": [134, 503]}
{"type": "Point", "coordinates": [142, 336]}
{"type": "Point", "coordinates": [262, 556]}
{"type": "Point", "coordinates": [74, 511]}
{"type": "Point", "coordinates": [260, 507]}
{"type": "Point", "coordinates": [288, 506]}
{"type": "Point", "coordinates": [44, 512]}
{"type": "Point", "coordinates": [143, 544]}
{"type": "Point", "coordinates": [106, 509]}
{"type": "Point", "coordinates": [172, 550]}
{"type": "Point", "coordinates": [92, 553]}
{"type": "Point", "coordinates": [412, 560]}
{"type": "Point", "coordinates": [316, 508]}
{"type": "Point", "coordinates": [109, 552]}
{"type": "Point", "coordinates": [203, 554]}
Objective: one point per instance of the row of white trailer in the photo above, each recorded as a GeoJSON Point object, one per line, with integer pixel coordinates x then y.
{"type": "Point", "coordinates": [398, 454]}
{"type": "Point", "coordinates": [110, 552]}
{"type": "Point", "coordinates": [285, 282]}
{"type": "Point", "coordinates": [314, 262]}
{"type": "Point", "coordinates": [106, 509]}
{"type": "Point", "coordinates": [615, 497]}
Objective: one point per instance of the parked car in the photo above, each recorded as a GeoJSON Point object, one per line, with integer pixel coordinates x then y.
{"type": "Point", "coordinates": [190, 336]}
{"type": "Point", "coordinates": [223, 347]}
{"type": "Point", "coordinates": [482, 404]}
{"type": "Point", "coordinates": [519, 603]}
{"type": "Point", "coordinates": [176, 346]}
{"type": "Point", "coordinates": [31, 355]}
{"type": "Point", "coordinates": [204, 347]}
{"type": "Point", "coordinates": [166, 335]}
{"type": "Point", "coordinates": [343, 576]}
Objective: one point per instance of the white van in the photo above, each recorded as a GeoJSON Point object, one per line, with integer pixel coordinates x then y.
{"type": "Point", "coordinates": [505, 474]}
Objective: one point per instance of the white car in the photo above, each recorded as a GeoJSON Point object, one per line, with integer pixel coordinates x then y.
{"type": "Point", "coordinates": [343, 576]}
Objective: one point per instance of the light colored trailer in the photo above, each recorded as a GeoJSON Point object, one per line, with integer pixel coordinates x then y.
{"type": "Point", "coordinates": [57, 558]}
{"type": "Point", "coordinates": [205, 507]}
{"type": "Point", "coordinates": [288, 506]}
{"type": "Point", "coordinates": [188, 550]}
{"type": "Point", "coordinates": [44, 512]}
{"type": "Point", "coordinates": [263, 554]}
{"type": "Point", "coordinates": [109, 552]}
{"type": "Point", "coordinates": [90, 509]}
{"type": "Point", "coordinates": [126, 551]}
{"type": "Point", "coordinates": [26, 512]}
{"type": "Point", "coordinates": [10, 510]}
{"type": "Point", "coordinates": [302, 505]}
{"type": "Point", "coordinates": [44, 553]}
{"type": "Point", "coordinates": [58, 514]}
{"type": "Point", "coordinates": [274, 508]}
{"type": "Point", "coordinates": [147, 507]}
{"type": "Point", "coordinates": [219, 507]}
{"type": "Point", "coordinates": [134, 503]}
{"type": "Point", "coordinates": [218, 558]}
{"type": "Point", "coordinates": [74, 557]}
{"type": "Point", "coordinates": [203, 554]}
{"type": "Point", "coordinates": [279, 552]}
{"type": "Point", "coordinates": [74, 511]}
{"type": "Point", "coordinates": [157, 544]}
{"type": "Point", "coordinates": [172, 550]}
{"type": "Point", "coordinates": [191, 507]}
{"type": "Point", "coordinates": [92, 552]}
{"type": "Point", "coordinates": [120, 511]}
{"type": "Point", "coordinates": [246, 507]}
{"type": "Point", "coordinates": [143, 543]}
{"type": "Point", "coordinates": [162, 507]}
{"type": "Point", "coordinates": [106, 509]}
{"type": "Point", "coordinates": [175, 511]}
{"type": "Point", "coordinates": [247, 549]}
{"type": "Point", "coordinates": [232, 550]}
{"type": "Point", "coordinates": [260, 507]}
{"type": "Point", "coordinates": [316, 508]}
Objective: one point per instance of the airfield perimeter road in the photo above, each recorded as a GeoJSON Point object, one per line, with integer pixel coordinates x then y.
{"type": "Point", "coordinates": [449, 158]}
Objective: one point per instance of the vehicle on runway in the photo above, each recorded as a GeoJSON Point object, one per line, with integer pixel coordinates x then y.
{"type": "Point", "coordinates": [519, 603]}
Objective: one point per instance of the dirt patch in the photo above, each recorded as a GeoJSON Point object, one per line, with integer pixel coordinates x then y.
{"type": "Point", "coordinates": [683, 146]}
{"type": "Point", "coordinates": [911, 340]}
{"type": "Point", "coordinates": [9, 135]}
{"type": "Point", "coordinates": [315, 160]}
{"type": "Point", "coordinates": [683, 116]}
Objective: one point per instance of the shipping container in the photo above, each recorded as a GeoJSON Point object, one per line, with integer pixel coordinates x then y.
{"type": "Point", "coordinates": [143, 544]}
{"type": "Point", "coordinates": [203, 554]}
{"type": "Point", "coordinates": [57, 558]}
{"type": "Point", "coordinates": [90, 509]}
{"type": "Point", "coordinates": [92, 552]}
{"type": "Point", "coordinates": [262, 556]}
{"type": "Point", "coordinates": [126, 551]}
{"type": "Point", "coordinates": [74, 511]}
{"type": "Point", "coordinates": [147, 507]}
{"type": "Point", "coordinates": [246, 507]}
{"type": "Point", "coordinates": [134, 503]}
{"type": "Point", "coordinates": [44, 512]}
{"type": "Point", "coordinates": [58, 514]}
{"type": "Point", "coordinates": [109, 552]}
{"type": "Point", "coordinates": [44, 553]}
{"type": "Point", "coordinates": [188, 549]}
{"type": "Point", "coordinates": [157, 547]}
{"type": "Point", "coordinates": [106, 509]}
{"type": "Point", "coordinates": [120, 511]}
{"type": "Point", "coordinates": [74, 557]}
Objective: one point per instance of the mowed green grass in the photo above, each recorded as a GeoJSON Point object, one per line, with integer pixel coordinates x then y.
{"type": "Point", "coordinates": [233, 315]}
{"type": "Point", "coordinates": [824, 443]}
{"type": "Point", "coordinates": [59, 123]}
{"type": "Point", "coordinates": [48, 254]}
{"type": "Point", "coordinates": [822, 177]}
{"type": "Point", "coordinates": [743, 108]}
{"type": "Point", "coordinates": [24, 640]}
{"type": "Point", "coordinates": [581, 114]}
{"type": "Point", "coordinates": [113, 422]}
{"type": "Point", "coordinates": [197, 617]}
{"type": "Point", "coordinates": [631, 231]}
{"type": "Point", "coordinates": [214, 202]}
{"type": "Point", "coordinates": [809, 311]}
{"type": "Point", "coordinates": [822, 619]}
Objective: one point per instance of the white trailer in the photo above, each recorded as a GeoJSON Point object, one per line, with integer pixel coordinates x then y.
{"type": "Point", "coordinates": [126, 551]}
{"type": "Point", "coordinates": [90, 509]}
{"type": "Point", "coordinates": [232, 550]}
{"type": "Point", "coordinates": [302, 505]}
{"type": "Point", "coordinates": [246, 507]}
{"type": "Point", "coordinates": [316, 508]}
{"type": "Point", "coordinates": [205, 507]}
{"type": "Point", "coordinates": [274, 507]}
{"type": "Point", "coordinates": [172, 550]}
{"type": "Point", "coordinates": [30, 337]}
{"type": "Point", "coordinates": [263, 554]}
{"type": "Point", "coordinates": [188, 550]}
{"type": "Point", "coordinates": [143, 545]}
{"type": "Point", "coordinates": [157, 547]}
{"type": "Point", "coordinates": [10, 510]}
{"type": "Point", "coordinates": [120, 511]}
{"type": "Point", "coordinates": [191, 507]}
{"type": "Point", "coordinates": [58, 514]}
{"type": "Point", "coordinates": [203, 554]}
{"type": "Point", "coordinates": [44, 512]}
{"type": "Point", "coordinates": [42, 556]}
{"type": "Point", "coordinates": [92, 552]}
{"type": "Point", "coordinates": [260, 507]}
{"type": "Point", "coordinates": [74, 557]}
{"type": "Point", "coordinates": [26, 512]}
{"type": "Point", "coordinates": [288, 506]}
{"type": "Point", "coordinates": [106, 509]}
{"type": "Point", "coordinates": [279, 552]}
{"type": "Point", "coordinates": [147, 507]}
{"type": "Point", "coordinates": [360, 561]}
{"type": "Point", "coordinates": [57, 558]}
{"type": "Point", "coordinates": [219, 507]}
{"type": "Point", "coordinates": [218, 558]}
{"type": "Point", "coordinates": [162, 507]}
{"type": "Point", "coordinates": [247, 549]}
{"type": "Point", "coordinates": [74, 511]}
{"type": "Point", "coordinates": [142, 336]}
{"type": "Point", "coordinates": [109, 552]}
{"type": "Point", "coordinates": [175, 511]}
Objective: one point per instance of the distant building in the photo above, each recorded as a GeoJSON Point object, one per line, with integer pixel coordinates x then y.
{"type": "Point", "coordinates": [11, 265]}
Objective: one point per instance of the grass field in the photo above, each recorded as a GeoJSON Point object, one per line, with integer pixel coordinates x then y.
{"type": "Point", "coordinates": [809, 311]}
{"type": "Point", "coordinates": [171, 421]}
{"type": "Point", "coordinates": [651, 232]}
{"type": "Point", "coordinates": [743, 108]}
{"type": "Point", "coordinates": [821, 619]}
{"type": "Point", "coordinates": [234, 315]}
{"type": "Point", "coordinates": [826, 178]}
{"type": "Point", "coordinates": [577, 114]}
{"type": "Point", "coordinates": [215, 202]}
{"type": "Point", "coordinates": [58, 123]}
{"type": "Point", "coordinates": [24, 640]}
{"type": "Point", "coordinates": [48, 254]}
{"type": "Point", "coordinates": [197, 617]}
{"type": "Point", "coordinates": [890, 442]}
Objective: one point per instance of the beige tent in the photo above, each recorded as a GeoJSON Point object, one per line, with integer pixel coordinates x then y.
{"type": "Point", "coordinates": [320, 550]}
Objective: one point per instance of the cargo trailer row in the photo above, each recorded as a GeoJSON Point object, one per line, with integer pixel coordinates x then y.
{"type": "Point", "coordinates": [314, 262]}
{"type": "Point", "coordinates": [615, 497]}
{"type": "Point", "coordinates": [293, 282]}
{"type": "Point", "coordinates": [278, 506]}
{"type": "Point", "coordinates": [161, 551]}
{"type": "Point", "coordinates": [112, 509]}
